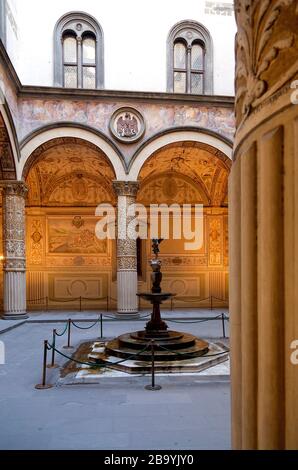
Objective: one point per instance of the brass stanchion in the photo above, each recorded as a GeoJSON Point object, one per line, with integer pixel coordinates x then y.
{"type": "Point", "coordinates": [53, 365]}
{"type": "Point", "coordinates": [80, 303]}
{"type": "Point", "coordinates": [43, 385]}
{"type": "Point", "coordinates": [211, 305]}
{"type": "Point", "coordinates": [223, 325]}
{"type": "Point", "coordinates": [47, 304]}
{"type": "Point", "coordinates": [153, 386]}
{"type": "Point", "coordinates": [107, 303]}
{"type": "Point", "coordinates": [68, 336]}
{"type": "Point", "coordinates": [101, 327]}
{"type": "Point", "coordinates": [172, 304]}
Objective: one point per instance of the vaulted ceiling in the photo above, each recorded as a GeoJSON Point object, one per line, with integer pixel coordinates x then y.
{"type": "Point", "coordinates": [69, 172]}
{"type": "Point", "coordinates": [202, 166]}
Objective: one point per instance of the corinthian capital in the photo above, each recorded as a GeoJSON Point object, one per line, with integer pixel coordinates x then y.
{"type": "Point", "coordinates": [14, 188]}
{"type": "Point", "coordinates": [126, 188]}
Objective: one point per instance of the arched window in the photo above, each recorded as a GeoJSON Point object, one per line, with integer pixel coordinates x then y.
{"type": "Point", "coordinates": [190, 59]}
{"type": "Point", "coordinates": [78, 52]}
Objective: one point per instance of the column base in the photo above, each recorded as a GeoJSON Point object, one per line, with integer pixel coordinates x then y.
{"type": "Point", "coordinates": [127, 315]}
{"type": "Point", "coordinates": [21, 316]}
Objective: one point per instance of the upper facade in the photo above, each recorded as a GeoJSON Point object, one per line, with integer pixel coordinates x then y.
{"type": "Point", "coordinates": [169, 46]}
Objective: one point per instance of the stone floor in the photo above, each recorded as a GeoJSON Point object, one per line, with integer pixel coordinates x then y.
{"type": "Point", "coordinates": [116, 414]}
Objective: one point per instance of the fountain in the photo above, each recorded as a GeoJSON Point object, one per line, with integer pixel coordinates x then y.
{"type": "Point", "coordinates": [170, 346]}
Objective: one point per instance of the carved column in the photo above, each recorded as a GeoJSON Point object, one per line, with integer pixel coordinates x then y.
{"type": "Point", "coordinates": [127, 277]}
{"type": "Point", "coordinates": [264, 227]}
{"type": "Point", "coordinates": [14, 265]}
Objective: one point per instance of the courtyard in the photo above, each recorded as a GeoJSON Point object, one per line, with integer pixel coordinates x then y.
{"type": "Point", "coordinates": [192, 411]}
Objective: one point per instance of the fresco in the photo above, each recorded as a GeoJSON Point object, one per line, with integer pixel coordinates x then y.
{"type": "Point", "coordinates": [74, 236]}
{"type": "Point", "coordinates": [36, 113]}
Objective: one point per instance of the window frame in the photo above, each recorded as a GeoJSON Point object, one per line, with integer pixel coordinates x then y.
{"type": "Point", "coordinates": [190, 33]}
{"type": "Point", "coordinates": [68, 25]}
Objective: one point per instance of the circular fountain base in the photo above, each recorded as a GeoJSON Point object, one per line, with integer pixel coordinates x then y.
{"type": "Point", "coordinates": [173, 347]}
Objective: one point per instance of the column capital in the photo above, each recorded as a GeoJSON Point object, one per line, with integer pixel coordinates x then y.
{"type": "Point", "coordinates": [14, 188]}
{"type": "Point", "coordinates": [126, 188]}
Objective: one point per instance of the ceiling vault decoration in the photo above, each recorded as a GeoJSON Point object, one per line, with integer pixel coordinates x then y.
{"type": "Point", "coordinates": [185, 172]}
{"type": "Point", "coordinates": [69, 172]}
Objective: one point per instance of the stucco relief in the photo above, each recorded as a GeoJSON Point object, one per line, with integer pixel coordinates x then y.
{"type": "Point", "coordinates": [78, 261]}
{"type": "Point", "coordinates": [267, 31]}
{"type": "Point", "coordinates": [36, 241]}
{"type": "Point", "coordinates": [215, 241]}
{"type": "Point", "coordinates": [183, 261]}
{"type": "Point", "coordinates": [13, 200]}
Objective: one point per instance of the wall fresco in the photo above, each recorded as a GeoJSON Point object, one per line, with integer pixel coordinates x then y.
{"type": "Point", "coordinates": [68, 236]}
{"type": "Point", "coordinates": [35, 113]}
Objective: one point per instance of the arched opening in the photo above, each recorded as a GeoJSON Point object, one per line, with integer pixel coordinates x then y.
{"type": "Point", "coordinates": [191, 173]}
{"type": "Point", "coordinates": [8, 157]}
{"type": "Point", "coordinates": [66, 263]}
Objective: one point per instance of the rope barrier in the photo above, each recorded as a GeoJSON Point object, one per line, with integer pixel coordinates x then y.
{"type": "Point", "coordinates": [85, 327]}
{"type": "Point", "coordinates": [64, 331]}
{"type": "Point", "coordinates": [96, 365]}
{"type": "Point", "coordinates": [195, 321]}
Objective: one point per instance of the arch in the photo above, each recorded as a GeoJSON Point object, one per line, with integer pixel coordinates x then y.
{"type": "Point", "coordinates": [203, 136]}
{"type": "Point", "coordinates": [9, 144]}
{"type": "Point", "coordinates": [190, 32]}
{"type": "Point", "coordinates": [88, 24]}
{"type": "Point", "coordinates": [48, 133]}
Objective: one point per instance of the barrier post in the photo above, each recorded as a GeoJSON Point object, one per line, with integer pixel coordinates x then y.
{"type": "Point", "coordinates": [43, 384]}
{"type": "Point", "coordinates": [53, 365]}
{"type": "Point", "coordinates": [68, 336]}
{"type": "Point", "coordinates": [47, 304]}
{"type": "Point", "coordinates": [172, 302]}
{"type": "Point", "coordinates": [153, 386]}
{"type": "Point", "coordinates": [223, 325]}
{"type": "Point", "coordinates": [107, 303]}
{"type": "Point", "coordinates": [80, 303]}
{"type": "Point", "coordinates": [101, 327]}
{"type": "Point", "coordinates": [211, 304]}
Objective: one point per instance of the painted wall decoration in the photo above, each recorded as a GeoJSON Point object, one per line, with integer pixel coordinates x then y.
{"type": "Point", "coordinates": [65, 236]}
{"type": "Point", "coordinates": [35, 113]}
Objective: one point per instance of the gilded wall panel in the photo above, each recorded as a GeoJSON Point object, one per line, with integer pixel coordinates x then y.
{"type": "Point", "coordinates": [68, 286]}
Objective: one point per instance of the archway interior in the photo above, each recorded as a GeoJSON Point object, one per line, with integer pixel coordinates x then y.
{"type": "Point", "coordinates": [7, 165]}
{"type": "Point", "coordinates": [190, 173]}
{"type": "Point", "coordinates": [67, 179]}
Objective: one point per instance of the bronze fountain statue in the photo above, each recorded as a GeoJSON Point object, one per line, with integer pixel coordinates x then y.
{"type": "Point", "coordinates": [156, 327]}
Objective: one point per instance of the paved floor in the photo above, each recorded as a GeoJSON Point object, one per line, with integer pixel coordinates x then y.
{"type": "Point", "coordinates": [114, 415]}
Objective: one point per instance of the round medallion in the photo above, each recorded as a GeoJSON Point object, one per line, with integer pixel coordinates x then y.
{"type": "Point", "coordinates": [127, 125]}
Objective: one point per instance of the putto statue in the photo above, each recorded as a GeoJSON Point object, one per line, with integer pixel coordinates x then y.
{"type": "Point", "coordinates": [155, 245]}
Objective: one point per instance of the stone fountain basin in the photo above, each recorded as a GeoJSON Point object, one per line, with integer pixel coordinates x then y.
{"type": "Point", "coordinates": [155, 297]}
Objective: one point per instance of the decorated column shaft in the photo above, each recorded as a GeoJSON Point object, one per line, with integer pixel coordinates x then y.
{"type": "Point", "coordinates": [14, 264]}
{"type": "Point", "coordinates": [127, 276]}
